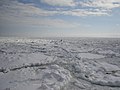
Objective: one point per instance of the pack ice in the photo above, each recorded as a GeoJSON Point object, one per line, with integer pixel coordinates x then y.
{"type": "Point", "coordinates": [59, 64]}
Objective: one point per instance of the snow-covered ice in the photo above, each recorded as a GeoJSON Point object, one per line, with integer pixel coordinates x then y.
{"type": "Point", "coordinates": [90, 56]}
{"type": "Point", "coordinates": [59, 64]}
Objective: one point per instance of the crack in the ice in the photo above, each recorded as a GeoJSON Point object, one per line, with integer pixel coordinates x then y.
{"type": "Point", "coordinates": [5, 70]}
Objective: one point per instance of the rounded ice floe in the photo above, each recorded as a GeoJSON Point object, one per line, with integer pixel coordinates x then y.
{"type": "Point", "coordinates": [90, 56]}
{"type": "Point", "coordinates": [107, 53]}
{"type": "Point", "coordinates": [52, 77]}
{"type": "Point", "coordinates": [100, 73]}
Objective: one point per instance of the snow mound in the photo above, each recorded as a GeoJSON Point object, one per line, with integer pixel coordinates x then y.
{"type": "Point", "coordinates": [51, 77]}
{"type": "Point", "coordinates": [96, 72]}
{"type": "Point", "coordinates": [90, 56]}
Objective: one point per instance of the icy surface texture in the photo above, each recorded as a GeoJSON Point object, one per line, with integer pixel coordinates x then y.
{"type": "Point", "coordinates": [59, 64]}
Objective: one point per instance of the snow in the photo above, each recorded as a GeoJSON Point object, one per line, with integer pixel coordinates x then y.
{"type": "Point", "coordinates": [55, 64]}
{"type": "Point", "coordinates": [32, 78]}
{"type": "Point", "coordinates": [90, 56]}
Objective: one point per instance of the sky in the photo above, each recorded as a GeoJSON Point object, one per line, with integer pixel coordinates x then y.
{"type": "Point", "coordinates": [60, 18]}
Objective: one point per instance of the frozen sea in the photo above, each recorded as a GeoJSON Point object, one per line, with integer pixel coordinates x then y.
{"type": "Point", "coordinates": [59, 63]}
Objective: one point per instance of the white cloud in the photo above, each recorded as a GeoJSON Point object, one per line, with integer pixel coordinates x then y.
{"type": "Point", "coordinates": [14, 8]}
{"type": "Point", "coordinates": [106, 4]}
{"type": "Point", "coordinates": [85, 12]}
{"type": "Point", "coordinates": [13, 12]}
{"type": "Point", "coordinates": [59, 2]}
{"type": "Point", "coordinates": [23, 20]}
{"type": "Point", "coordinates": [28, 15]}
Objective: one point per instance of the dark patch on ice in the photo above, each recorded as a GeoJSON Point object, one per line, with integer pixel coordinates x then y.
{"type": "Point", "coordinates": [58, 77]}
{"type": "Point", "coordinates": [4, 70]}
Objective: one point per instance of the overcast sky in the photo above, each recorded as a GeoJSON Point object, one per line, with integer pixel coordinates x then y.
{"type": "Point", "coordinates": [66, 18]}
